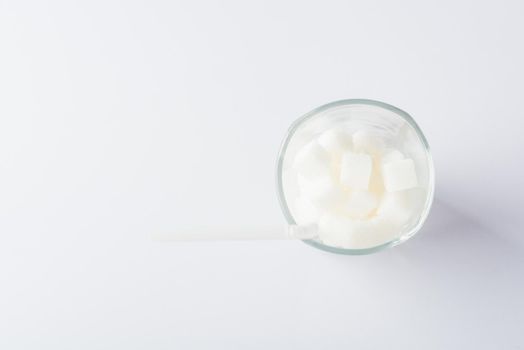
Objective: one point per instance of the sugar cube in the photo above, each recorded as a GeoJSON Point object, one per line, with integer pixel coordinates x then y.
{"type": "Point", "coordinates": [355, 170]}
{"type": "Point", "coordinates": [365, 141]}
{"type": "Point", "coordinates": [361, 204]}
{"type": "Point", "coordinates": [304, 212]}
{"type": "Point", "coordinates": [399, 175]}
{"type": "Point", "coordinates": [335, 230]}
{"type": "Point", "coordinates": [334, 141]}
{"type": "Point", "coordinates": [391, 155]}
{"type": "Point", "coordinates": [322, 191]}
{"type": "Point", "coordinates": [395, 207]}
{"type": "Point", "coordinates": [372, 233]}
{"type": "Point", "coordinates": [415, 149]}
{"type": "Point", "coordinates": [312, 160]}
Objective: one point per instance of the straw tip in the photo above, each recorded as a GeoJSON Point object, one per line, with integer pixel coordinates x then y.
{"type": "Point", "coordinates": [303, 231]}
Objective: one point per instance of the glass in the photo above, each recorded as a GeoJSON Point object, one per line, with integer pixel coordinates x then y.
{"type": "Point", "coordinates": [384, 119]}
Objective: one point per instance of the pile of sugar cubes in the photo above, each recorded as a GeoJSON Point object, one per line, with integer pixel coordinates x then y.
{"type": "Point", "coordinates": [359, 191]}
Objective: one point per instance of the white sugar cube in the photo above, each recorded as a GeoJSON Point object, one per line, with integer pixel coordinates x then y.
{"type": "Point", "coordinates": [323, 192]}
{"type": "Point", "coordinates": [361, 204]}
{"type": "Point", "coordinates": [400, 207]}
{"type": "Point", "coordinates": [355, 170]}
{"type": "Point", "coordinates": [415, 149]}
{"type": "Point", "coordinates": [335, 230]}
{"type": "Point", "coordinates": [399, 175]}
{"type": "Point", "coordinates": [365, 141]}
{"type": "Point", "coordinates": [334, 141]}
{"type": "Point", "coordinates": [372, 233]}
{"type": "Point", "coordinates": [395, 208]}
{"type": "Point", "coordinates": [304, 212]}
{"type": "Point", "coordinates": [376, 184]}
{"type": "Point", "coordinates": [391, 155]}
{"type": "Point", "coordinates": [312, 160]}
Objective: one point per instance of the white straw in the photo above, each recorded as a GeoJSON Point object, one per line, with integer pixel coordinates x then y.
{"type": "Point", "coordinates": [238, 233]}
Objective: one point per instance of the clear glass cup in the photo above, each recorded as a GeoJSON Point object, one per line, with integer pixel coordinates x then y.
{"type": "Point", "coordinates": [383, 119]}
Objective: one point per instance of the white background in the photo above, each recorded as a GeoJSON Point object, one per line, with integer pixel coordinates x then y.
{"type": "Point", "coordinates": [123, 118]}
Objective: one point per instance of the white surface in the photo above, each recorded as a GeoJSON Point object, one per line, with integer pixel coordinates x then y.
{"type": "Point", "coordinates": [121, 118]}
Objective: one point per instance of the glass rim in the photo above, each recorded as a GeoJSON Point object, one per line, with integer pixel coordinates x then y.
{"type": "Point", "coordinates": [280, 164]}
